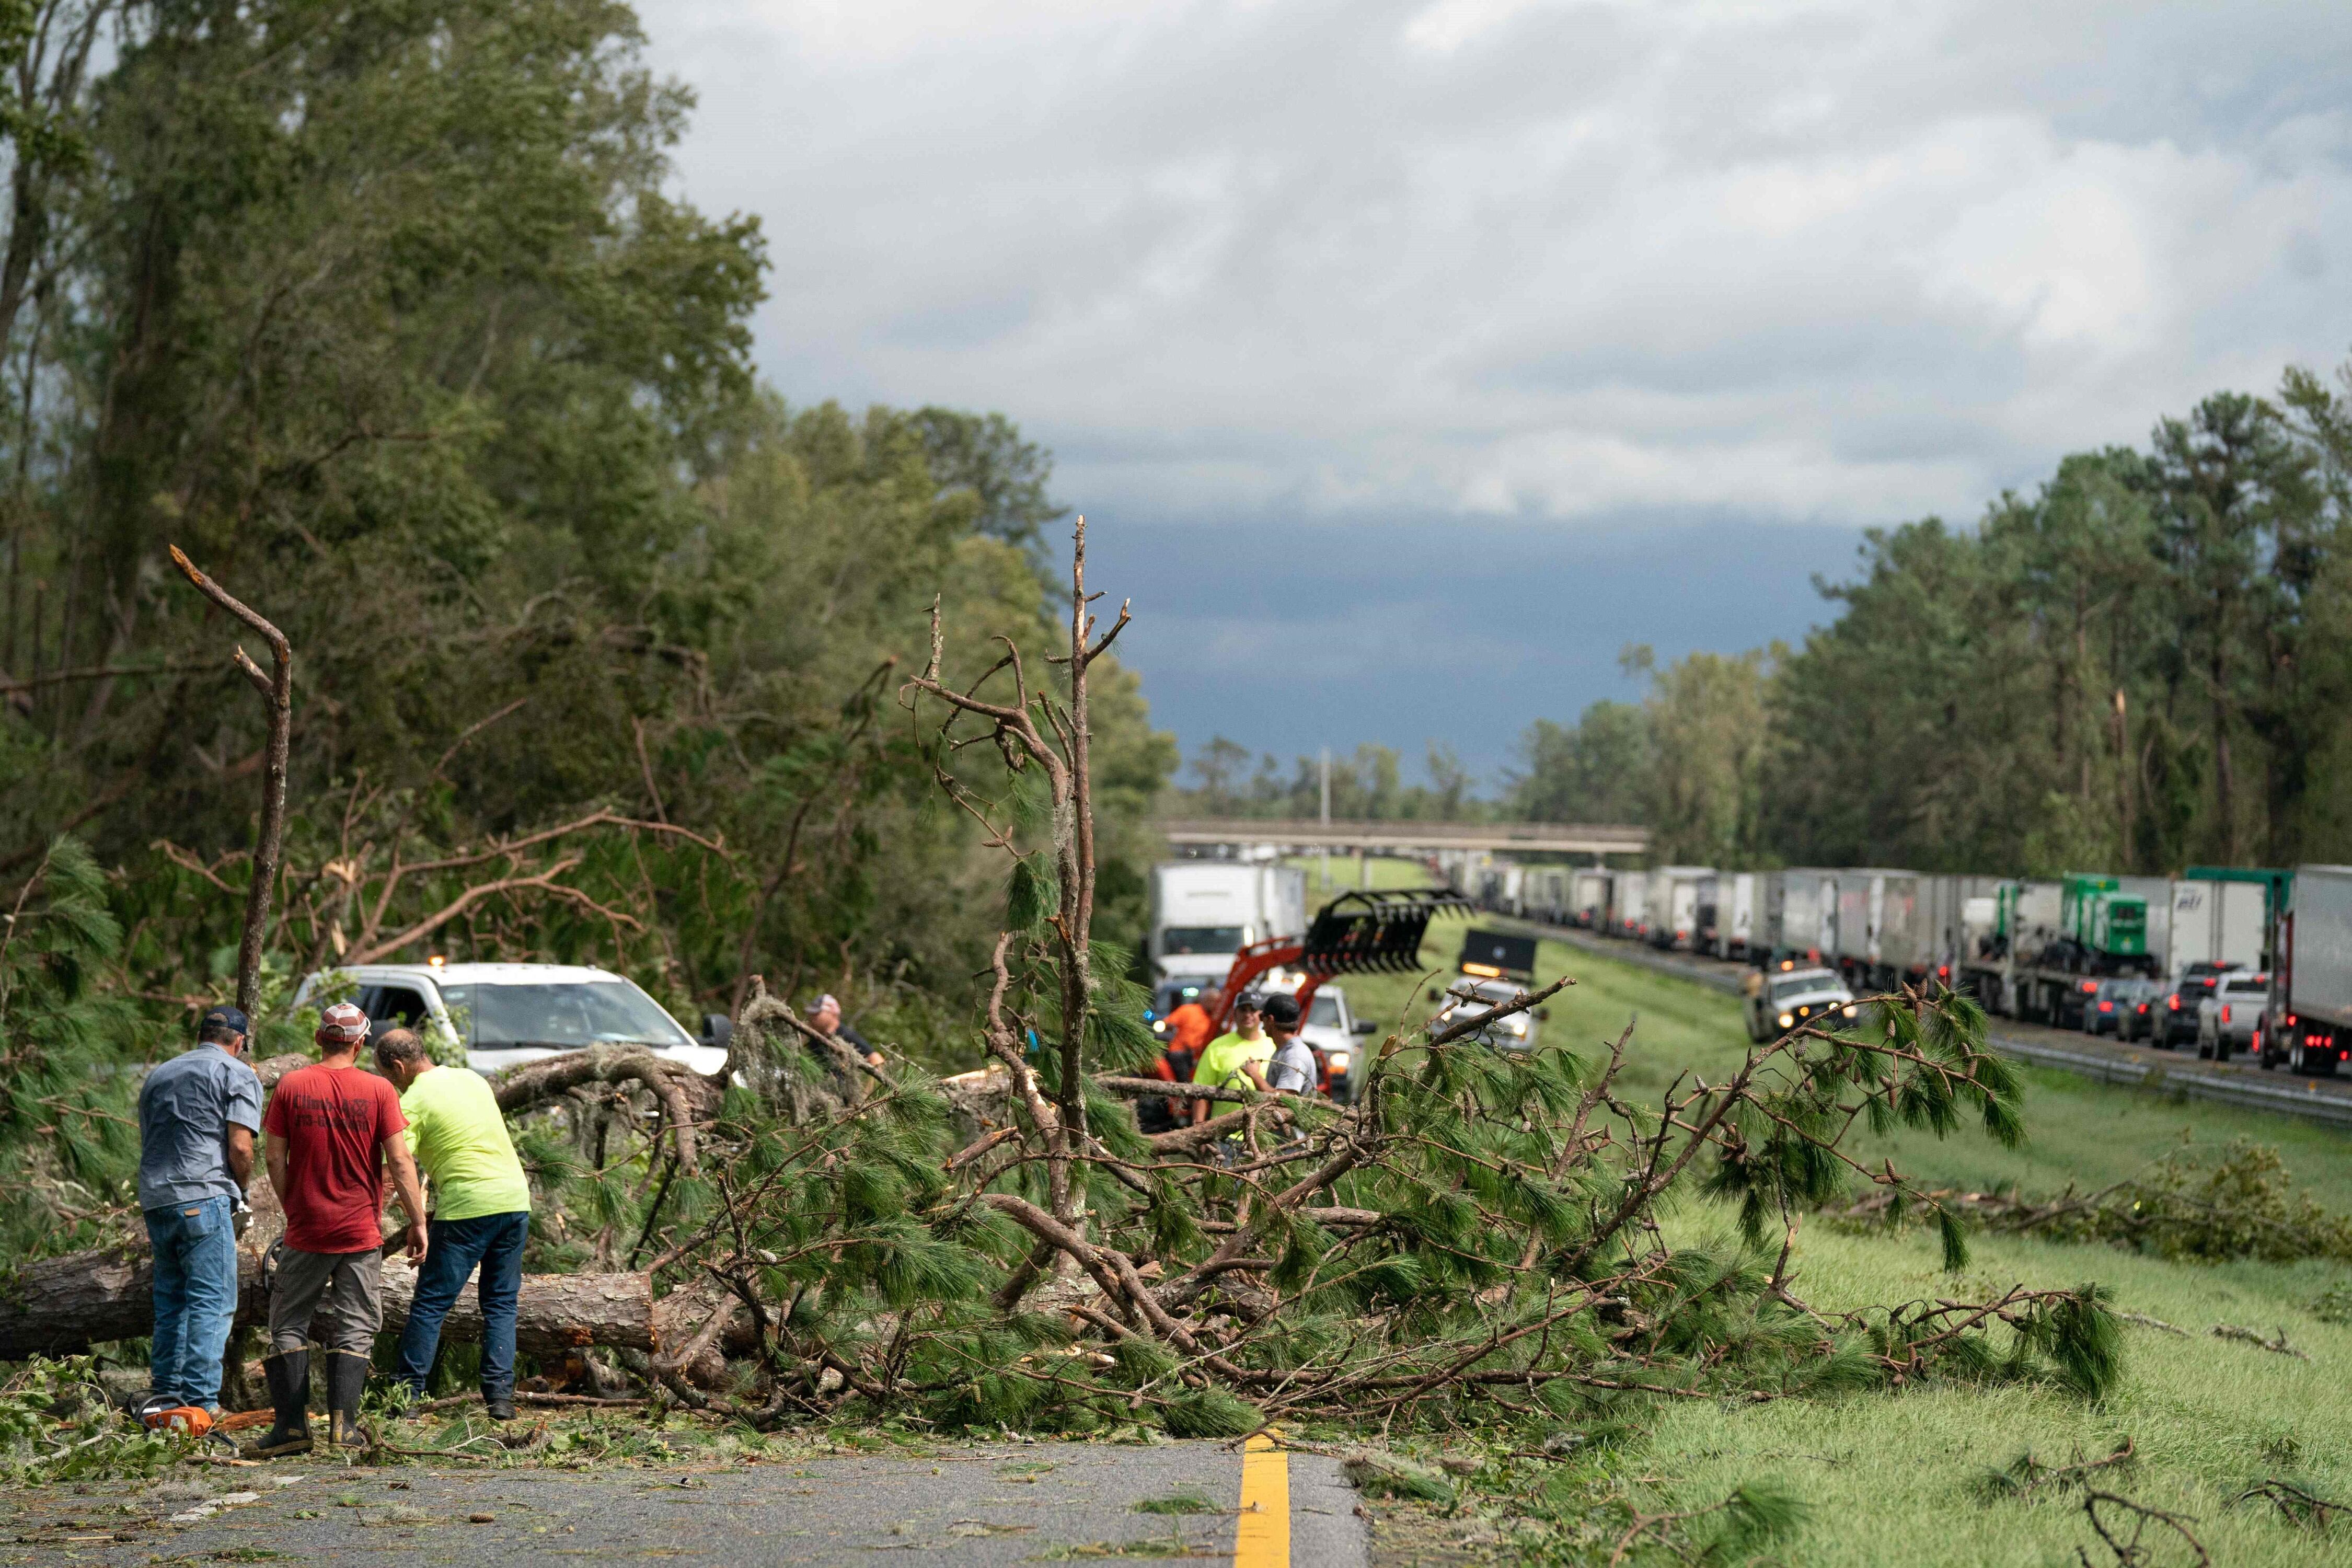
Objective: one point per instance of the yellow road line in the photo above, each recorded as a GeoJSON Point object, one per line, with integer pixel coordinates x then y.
{"type": "Point", "coordinates": [1262, 1539]}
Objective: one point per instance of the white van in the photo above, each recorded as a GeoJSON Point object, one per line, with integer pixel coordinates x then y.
{"type": "Point", "coordinates": [508, 1014]}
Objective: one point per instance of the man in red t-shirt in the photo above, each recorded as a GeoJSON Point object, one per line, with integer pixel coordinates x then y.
{"type": "Point", "coordinates": [331, 1129]}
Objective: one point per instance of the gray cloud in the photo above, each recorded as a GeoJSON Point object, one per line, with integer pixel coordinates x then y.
{"type": "Point", "coordinates": [1587, 266]}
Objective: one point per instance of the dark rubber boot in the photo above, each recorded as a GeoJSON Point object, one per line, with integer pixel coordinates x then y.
{"type": "Point", "coordinates": [346, 1382]}
{"type": "Point", "coordinates": [289, 1395]}
{"type": "Point", "coordinates": [498, 1402]}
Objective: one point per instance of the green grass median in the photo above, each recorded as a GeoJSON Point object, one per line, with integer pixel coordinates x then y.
{"type": "Point", "coordinates": [1902, 1478]}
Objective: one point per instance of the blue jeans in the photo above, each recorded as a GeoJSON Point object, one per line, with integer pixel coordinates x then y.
{"type": "Point", "coordinates": [453, 1247]}
{"type": "Point", "coordinates": [195, 1298]}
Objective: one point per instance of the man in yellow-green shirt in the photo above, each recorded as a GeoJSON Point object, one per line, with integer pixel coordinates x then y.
{"type": "Point", "coordinates": [1235, 1059]}
{"type": "Point", "coordinates": [481, 1213]}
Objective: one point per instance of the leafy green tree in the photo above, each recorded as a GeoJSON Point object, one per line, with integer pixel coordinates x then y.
{"type": "Point", "coordinates": [984, 456]}
{"type": "Point", "coordinates": [1708, 726]}
{"type": "Point", "coordinates": [1592, 771]}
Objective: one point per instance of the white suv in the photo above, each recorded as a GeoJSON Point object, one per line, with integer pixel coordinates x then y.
{"type": "Point", "coordinates": [507, 1014]}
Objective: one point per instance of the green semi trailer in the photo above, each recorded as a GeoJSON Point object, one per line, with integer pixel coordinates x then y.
{"type": "Point", "coordinates": [2107, 921]}
{"type": "Point", "coordinates": [2056, 941]}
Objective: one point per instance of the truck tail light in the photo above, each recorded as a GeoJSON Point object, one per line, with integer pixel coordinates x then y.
{"type": "Point", "coordinates": [2172, 1002]}
{"type": "Point", "coordinates": [2225, 1013]}
{"type": "Point", "coordinates": [2106, 1006]}
{"type": "Point", "coordinates": [2089, 986]}
{"type": "Point", "coordinates": [1943, 972]}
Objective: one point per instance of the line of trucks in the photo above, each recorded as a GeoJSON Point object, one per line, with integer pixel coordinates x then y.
{"type": "Point", "coordinates": [2054, 950]}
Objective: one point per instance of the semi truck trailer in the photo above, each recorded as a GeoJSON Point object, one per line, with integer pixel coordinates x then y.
{"type": "Point", "coordinates": [1727, 914]}
{"type": "Point", "coordinates": [1799, 917]}
{"type": "Point", "coordinates": [1588, 898]}
{"type": "Point", "coordinates": [1622, 914]}
{"type": "Point", "coordinates": [2309, 1022]}
{"type": "Point", "coordinates": [1671, 902]}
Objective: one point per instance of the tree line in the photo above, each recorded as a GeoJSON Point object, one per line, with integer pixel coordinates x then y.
{"type": "Point", "coordinates": [391, 318]}
{"type": "Point", "coordinates": [2144, 663]}
{"type": "Point", "coordinates": [1366, 784]}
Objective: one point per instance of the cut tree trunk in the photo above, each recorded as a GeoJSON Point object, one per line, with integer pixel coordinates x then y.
{"type": "Point", "coordinates": [63, 1306]}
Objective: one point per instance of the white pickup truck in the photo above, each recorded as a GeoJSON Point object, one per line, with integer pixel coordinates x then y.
{"type": "Point", "coordinates": [2229, 1019]}
{"type": "Point", "coordinates": [1779, 1001]}
{"type": "Point", "coordinates": [507, 1014]}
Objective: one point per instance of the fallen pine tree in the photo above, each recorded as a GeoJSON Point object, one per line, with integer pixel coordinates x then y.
{"type": "Point", "coordinates": [1479, 1236]}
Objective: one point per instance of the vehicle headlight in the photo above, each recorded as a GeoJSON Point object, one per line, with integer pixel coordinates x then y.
{"type": "Point", "coordinates": [1787, 1019]}
{"type": "Point", "coordinates": [1849, 1009]}
{"type": "Point", "coordinates": [1340, 1060]}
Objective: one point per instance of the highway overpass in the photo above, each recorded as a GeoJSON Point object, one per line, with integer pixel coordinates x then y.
{"type": "Point", "coordinates": [1552, 837]}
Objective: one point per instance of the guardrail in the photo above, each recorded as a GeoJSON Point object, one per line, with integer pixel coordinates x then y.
{"type": "Point", "coordinates": [2154, 1076]}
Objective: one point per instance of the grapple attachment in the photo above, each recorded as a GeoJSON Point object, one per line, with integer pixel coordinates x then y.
{"type": "Point", "coordinates": [1355, 933]}
{"type": "Point", "coordinates": [1369, 932]}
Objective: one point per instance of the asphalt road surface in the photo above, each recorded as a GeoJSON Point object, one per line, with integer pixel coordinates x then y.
{"type": "Point", "coordinates": [982, 1504]}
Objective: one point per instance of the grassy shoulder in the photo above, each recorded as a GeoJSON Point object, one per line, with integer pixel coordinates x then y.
{"type": "Point", "coordinates": [1900, 1478]}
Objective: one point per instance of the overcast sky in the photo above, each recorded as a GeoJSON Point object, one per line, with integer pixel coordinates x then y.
{"type": "Point", "coordinates": [1408, 358]}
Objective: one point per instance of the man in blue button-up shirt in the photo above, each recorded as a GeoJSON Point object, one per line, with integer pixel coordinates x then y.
{"type": "Point", "coordinates": [197, 1116]}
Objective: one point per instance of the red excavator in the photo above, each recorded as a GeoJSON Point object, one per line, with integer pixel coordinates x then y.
{"type": "Point", "coordinates": [1356, 933]}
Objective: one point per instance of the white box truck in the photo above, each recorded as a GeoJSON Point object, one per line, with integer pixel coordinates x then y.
{"type": "Point", "coordinates": [1204, 911]}
{"type": "Point", "coordinates": [2211, 923]}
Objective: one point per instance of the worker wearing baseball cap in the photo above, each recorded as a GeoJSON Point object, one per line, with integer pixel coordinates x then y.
{"type": "Point", "coordinates": [197, 1116]}
{"type": "Point", "coordinates": [1236, 1059]}
{"type": "Point", "coordinates": [332, 1128]}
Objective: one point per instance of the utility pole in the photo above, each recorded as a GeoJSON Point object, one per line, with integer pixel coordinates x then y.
{"type": "Point", "coordinates": [1326, 819]}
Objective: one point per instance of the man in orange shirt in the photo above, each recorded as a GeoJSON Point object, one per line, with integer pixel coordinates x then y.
{"type": "Point", "coordinates": [1188, 1028]}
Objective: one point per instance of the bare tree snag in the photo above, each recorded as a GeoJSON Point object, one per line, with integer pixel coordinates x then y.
{"type": "Point", "coordinates": [277, 691]}
{"type": "Point", "coordinates": [1033, 729]}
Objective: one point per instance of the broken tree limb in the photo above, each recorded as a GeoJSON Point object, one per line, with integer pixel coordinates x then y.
{"type": "Point", "coordinates": [277, 689]}
{"type": "Point", "coordinates": [684, 1094]}
{"type": "Point", "coordinates": [63, 1306]}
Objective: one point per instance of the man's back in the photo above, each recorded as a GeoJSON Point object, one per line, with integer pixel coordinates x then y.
{"type": "Point", "coordinates": [460, 1139]}
{"type": "Point", "coordinates": [185, 1109]}
{"type": "Point", "coordinates": [331, 1120]}
{"type": "Point", "coordinates": [1189, 1027]}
